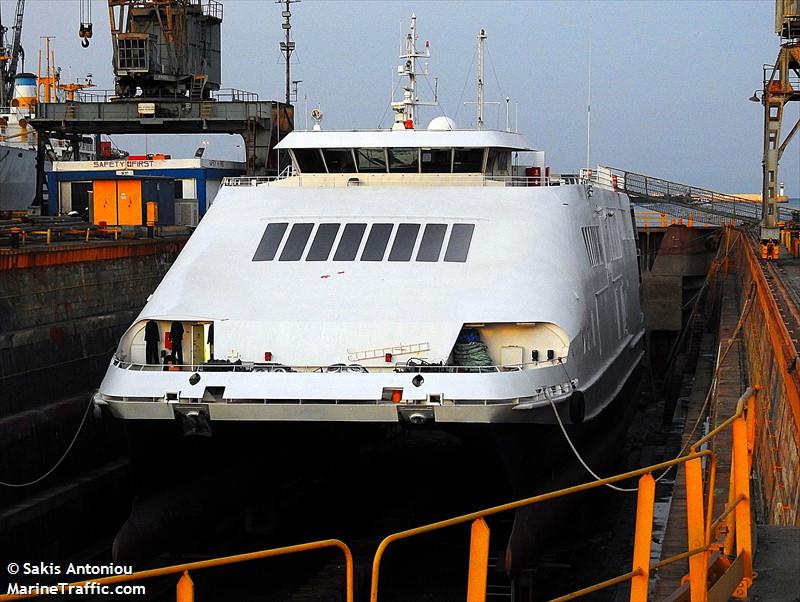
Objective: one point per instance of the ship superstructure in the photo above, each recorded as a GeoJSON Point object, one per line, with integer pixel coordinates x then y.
{"type": "Point", "coordinates": [408, 274]}
{"type": "Point", "coordinates": [18, 146]}
{"type": "Point", "coordinates": [18, 142]}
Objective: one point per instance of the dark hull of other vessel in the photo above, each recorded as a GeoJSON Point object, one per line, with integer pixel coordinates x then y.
{"type": "Point", "coordinates": [17, 178]}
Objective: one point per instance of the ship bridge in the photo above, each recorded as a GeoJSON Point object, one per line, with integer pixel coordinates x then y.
{"type": "Point", "coordinates": [438, 151]}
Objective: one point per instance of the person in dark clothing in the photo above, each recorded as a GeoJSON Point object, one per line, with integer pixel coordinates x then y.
{"type": "Point", "coordinates": [176, 335]}
{"type": "Point", "coordinates": [151, 337]}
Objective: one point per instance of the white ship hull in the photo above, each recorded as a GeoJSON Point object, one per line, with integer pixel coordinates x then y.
{"type": "Point", "coordinates": [532, 279]}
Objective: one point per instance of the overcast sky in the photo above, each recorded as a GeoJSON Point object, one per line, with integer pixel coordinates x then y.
{"type": "Point", "coordinates": [670, 80]}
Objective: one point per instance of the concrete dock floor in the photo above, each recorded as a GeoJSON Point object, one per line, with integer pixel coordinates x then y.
{"type": "Point", "coordinates": [777, 563]}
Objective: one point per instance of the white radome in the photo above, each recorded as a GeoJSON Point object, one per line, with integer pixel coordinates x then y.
{"type": "Point", "coordinates": [442, 123]}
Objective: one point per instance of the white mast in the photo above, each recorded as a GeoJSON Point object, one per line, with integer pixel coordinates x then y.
{"type": "Point", "coordinates": [589, 109]}
{"type": "Point", "coordinates": [406, 109]}
{"type": "Point", "coordinates": [480, 101]}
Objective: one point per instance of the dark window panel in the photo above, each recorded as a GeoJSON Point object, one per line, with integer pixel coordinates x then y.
{"type": "Point", "coordinates": [436, 160]}
{"type": "Point", "coordinates": [371, 159]}
{"type": "Point", "coordinates": [431, 245]}
{"type": "Point", "coordinates": [270, 242]}
{"type": "Point", "coordinates": [309, 160]}
{"type": "Point", "coordinates": [468, 160]}
{"type": "Point", "coordinates": [296, 243]}
{"type": "Point", "coordinates": [404, 242]}
{"type": "Point", "coordinates": [460, 240]}
{"type": "Point", "coordinates": [339, 160]}
{"type": "Point", "coordinates": [403, 160]}
{"type": "Point", "coordinates": [349, 243]}
{"type": "Point", "coordinates": [378, 238]}
{"type": "Point", "coordinates": [323, 242]}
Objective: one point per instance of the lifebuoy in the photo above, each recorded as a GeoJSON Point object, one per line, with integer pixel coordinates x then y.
{"type": "Point", "coordinates": [577, 407]}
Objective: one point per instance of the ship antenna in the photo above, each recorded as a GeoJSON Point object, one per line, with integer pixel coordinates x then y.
{"type": "Point", "coordinates": [406, 109]}
{"type": "Point", "coordinates": [287, 46]}
{"type": "Point", "coordinates": [480, 100]}
{"type": "Point", "coordinates": [589, 108]}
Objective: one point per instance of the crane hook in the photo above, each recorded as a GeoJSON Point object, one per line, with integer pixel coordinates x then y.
{"type": "Point", "coordinates": [85, 42]}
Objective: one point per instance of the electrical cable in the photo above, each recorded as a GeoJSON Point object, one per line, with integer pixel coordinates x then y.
{"type": "Point", "coordinates": [497, 81]}
{"type": "Point", "coordinates": [466, 80]}
{"type": "Point", "coordinates": [60, 460]}
{"type": "Point", "coordinates": [397, 85]}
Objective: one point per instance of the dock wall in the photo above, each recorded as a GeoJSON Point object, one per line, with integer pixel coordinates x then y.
{"type": "Point", "coordinates": [63, 308]}
{"type": "Point", "coordinates": [772, 362]}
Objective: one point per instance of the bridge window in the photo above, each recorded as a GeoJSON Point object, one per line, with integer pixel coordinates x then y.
{"type": "Point", "coordinates": [371, 159]}
{"type": "Point", "coordinates": [404, 242]}
{"type": "Point", "coordinates": [351, 240]}
{"type": "Point", "coordinates": [309, 160]}
{"type": "Point", "coordinates": [323, 242]}
{"type": "Point", "coordinates": [468, 160]}
{"type": "Point", "coordinates": [377, 240]}
{"type": "Point", "coordinates": [431, 245]}
{"type": "Point", "coordinates": [459, 243]}
{"type": "Point", "coordinates": [437, 160]}
{"type": "Point", "coordinates": [339, 160]}
{"type": "Point", "coordinates": [403, 160]}
{"type": "Point", "coordinates": [270, 242]}
{"type": "Point", "coordinates": [498, 162]}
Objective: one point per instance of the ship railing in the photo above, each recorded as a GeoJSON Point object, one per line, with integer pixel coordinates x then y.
{"type": "Point", "coordinates": [413, 368]}
{"type": "Point", "coordinates": [719, 550]}
{"type": "Point", "coordinates": [679, 200]}
{"type": "Point", "coordinates": [400, 179]}
{"type": "Point", "coordinates": [211, 8]}
{"type": "Point", "coordinates": [95, 95]}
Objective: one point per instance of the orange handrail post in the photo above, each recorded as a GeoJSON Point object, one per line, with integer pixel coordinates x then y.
{"type": "Point", "coordinates": [185, 589]}
{"type": "Point", "coordinates": [478, 561]}
{"type": "Point", "coordinates": [750, 418]}
{"type": "Point", "coordinates": [741, 485]}
{"type": "Point", "coordinates": [645, 501]}
{"type": "Point", "coordinates": [696, 530]}
{"type": "Point", "coordinates": [730, 521]}
{"type": "Point", "coordinates": [712, 481]}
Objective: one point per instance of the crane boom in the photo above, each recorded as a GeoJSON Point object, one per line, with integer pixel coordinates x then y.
{"type": "Point", "coordinates": [9, 57]}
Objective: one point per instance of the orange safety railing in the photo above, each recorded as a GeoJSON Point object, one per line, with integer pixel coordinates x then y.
{"type": "Point", "coordinates": [185, 587]}
{"type": "Point", "coordinates": [729, 532]}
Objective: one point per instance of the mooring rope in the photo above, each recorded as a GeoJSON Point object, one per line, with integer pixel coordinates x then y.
{"type": "Point", "coordinates": [60, 460]}
{"type": "Point", "coordinates": [700, 418]}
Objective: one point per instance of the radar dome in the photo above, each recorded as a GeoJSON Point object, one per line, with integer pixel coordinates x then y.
{"type": "Point", "coordinates": [442, 123]}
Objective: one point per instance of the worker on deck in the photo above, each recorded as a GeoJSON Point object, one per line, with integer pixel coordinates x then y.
{"type": "Point", "coordinates": [176, 336]}
{"type": "Point", "coordinates": [152, 336]}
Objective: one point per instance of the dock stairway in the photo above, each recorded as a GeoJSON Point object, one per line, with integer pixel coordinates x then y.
{"type": "Point", "coordinates": [197, 90]}
{"type": "Point", "coordinates": [682, 200]}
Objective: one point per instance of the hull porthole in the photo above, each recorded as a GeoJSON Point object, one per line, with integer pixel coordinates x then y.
{"type": "Point", "coordinates": [577, 407]}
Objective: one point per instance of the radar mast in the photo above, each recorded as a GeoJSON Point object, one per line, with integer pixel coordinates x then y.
{"type": "Point", "coordinates": [406, 109]}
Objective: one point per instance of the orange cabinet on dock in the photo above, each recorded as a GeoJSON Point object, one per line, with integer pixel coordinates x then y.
{"type": "Point", "coordinates": [129, 202]}
{"type": "Point", "coordinates": [104, 203]}
{"type": "Point", "coordinates": [117, 202]}
{"type": "Point", "coordinates": [124, 202]}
